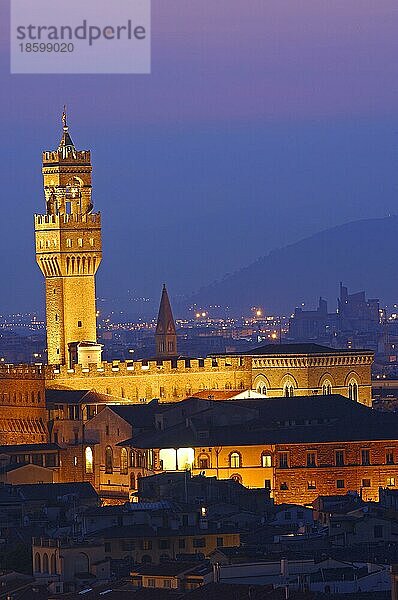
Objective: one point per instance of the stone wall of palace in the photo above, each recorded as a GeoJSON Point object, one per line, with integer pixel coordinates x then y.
{"type": "Point", "coordinates": [313, 374]}
{"type": "Point", "coordinates": [171, 381]}
{"type": "Point", "coordinates": [23, 414]}
{"type": "Point", "coordinates": [298, 483]}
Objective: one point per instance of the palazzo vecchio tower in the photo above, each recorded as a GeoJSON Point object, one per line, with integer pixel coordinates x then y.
{"type": "Point", "coordinates": [69, 252]}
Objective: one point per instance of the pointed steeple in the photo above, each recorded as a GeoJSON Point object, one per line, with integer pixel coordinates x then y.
{"type": "Point", "coordinates": [66, 144]}
{"type": "Point", "coordinates": [165, 336]}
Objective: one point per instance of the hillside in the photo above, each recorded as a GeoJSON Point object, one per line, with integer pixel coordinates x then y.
{"type": "Point", "coordinates": [363, 254]}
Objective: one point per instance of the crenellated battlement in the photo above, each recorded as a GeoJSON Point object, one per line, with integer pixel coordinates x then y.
{"type": "Point", "coordinates": [67, 221]}
{"type": "Point", "coordinates": [11, 371]}
{"type": "Point", "coordinates": [150, 367]}
{"type": "Point", "coordinates": [51, 157]}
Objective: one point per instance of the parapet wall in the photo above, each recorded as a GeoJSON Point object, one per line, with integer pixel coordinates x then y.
{"type": "Point", "coordinates": [137, 368]}
{"type": "Point", "coordinates": [54, 156]}
{"type": "Point", "coordinates": [69, 220]}
{"type": "Point", "coordinates": [22, 372]}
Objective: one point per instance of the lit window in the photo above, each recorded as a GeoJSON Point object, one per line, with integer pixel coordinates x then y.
{"type": "Point", "coordinates": [234, 460]}
{"type": "Point", "coordinates": [311, 485]}
{"type": "Point", "coordinates": [69, 243]}
{"type": "Point", "coordinates": [266, 460]}
{"type": "Point", "coordinates": [80, 242]}
{"type": "Point", "coordinates": [89, 460]}
{"type": "Point", "coordinates": [390, 481]}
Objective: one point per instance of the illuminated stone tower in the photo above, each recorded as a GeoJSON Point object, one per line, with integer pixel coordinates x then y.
{"type": "Point", "coordinates": [68, 252]}
{"type": "Point", "coordinates": [165, 336]}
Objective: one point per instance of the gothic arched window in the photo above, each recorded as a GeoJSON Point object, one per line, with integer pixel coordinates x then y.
{"type": "Point", "coordinates": [45, 563]}
{"type": "Point", "coordinates": [353, 390]}
{"type": "Point", "coordinates": [37, 563]}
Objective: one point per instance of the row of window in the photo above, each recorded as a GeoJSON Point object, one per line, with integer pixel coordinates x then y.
{"type": "Point", "coordinates": [21, 397]}
{"type": "Point", "coordinates": [235, 459]}
{"type": "Point", "coordinates": [137, 459]}
{"type": "Point", "coordinates": [340, 484]}
{"type": "Point", "coordinates": [69, 243]}
{"type": "Point", "coordinates": [289, 387]}
{"type": "Point", "coordinates": [45, 565]}
{"type": "Point", "coordinates": [339, 458]}
{"type": "Point", "coordinates": [162, 544]}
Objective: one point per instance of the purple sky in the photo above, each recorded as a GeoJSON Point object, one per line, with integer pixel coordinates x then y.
{"type": "Point", "coordinates": [262, 121]}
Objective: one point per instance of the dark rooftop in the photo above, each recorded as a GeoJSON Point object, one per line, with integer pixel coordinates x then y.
{"type": "Point", "coordinates": [298, 419]}
{"type": "Point", "coordinates": [136, 531]}
{"type": "Point", "coordinates": [15, 448]}
{"type": "Point", "coordinates": [64, 396]}
{"type": "Point", "coordinates": [308, 348]}
{"type": "Point", "coordinates": [172, 568]}
{"type": "Point", "coordinates": [53, 491]}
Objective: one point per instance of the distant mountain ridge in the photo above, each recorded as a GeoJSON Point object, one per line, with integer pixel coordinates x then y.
{"type": "Point", "coordinates": [363, 254]}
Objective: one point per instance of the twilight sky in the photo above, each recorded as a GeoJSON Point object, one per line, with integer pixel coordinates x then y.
{"type": "Point", "coordinates": [263, 121]}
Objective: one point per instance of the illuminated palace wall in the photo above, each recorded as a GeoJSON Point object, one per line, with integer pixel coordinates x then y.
{"type": "Point", "coordinates": [23, 414]}
{"type": "Point", "coordinates": [275, 375]}
{"type": "Point", "coordinates": [299, 473]}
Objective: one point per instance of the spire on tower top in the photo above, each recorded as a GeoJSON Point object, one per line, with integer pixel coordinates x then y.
{"type": "Point", "coordinates": [66, 143]}
{"type": "Point", "coordinates": [166, 337]}
{"type": "Point", "coordinates": [64, 118]}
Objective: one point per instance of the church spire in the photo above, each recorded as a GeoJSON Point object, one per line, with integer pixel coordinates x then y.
{"type": "Point", "coordinates": [66, 144]}
{"type": "Point", "coordinates": [165, 336]}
